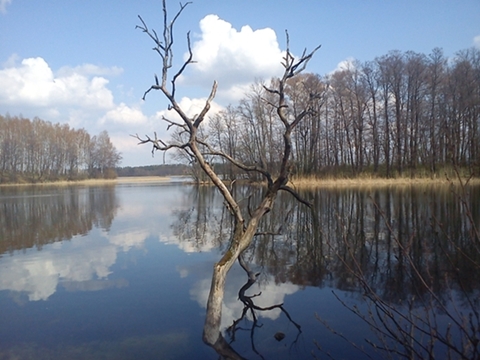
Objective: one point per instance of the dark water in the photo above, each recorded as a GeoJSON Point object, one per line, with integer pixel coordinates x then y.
{"type": "Point", "coordinates": [124, 272]}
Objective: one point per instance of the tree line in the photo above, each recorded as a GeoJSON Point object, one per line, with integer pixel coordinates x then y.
{"type": "Point", "coordinates": [37, 150]}
{"type": "Point", "coordinates": [402, 114]}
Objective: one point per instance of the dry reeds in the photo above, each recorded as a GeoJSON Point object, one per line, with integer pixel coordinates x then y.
{"type": "Point", "coordinates": [369, 182]}
{"type": "Point", "coordinates": [97, 182]}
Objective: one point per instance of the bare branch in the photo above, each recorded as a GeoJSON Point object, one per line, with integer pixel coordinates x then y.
{"type": "Point", "coordinates": [185, 64]}
{"type": "Point", "coordinates": [153, 87]}
{"type": "Point", "coordinates": [153, 35]}
{"type": "Point", "coordinates": [293, 68]}
{"type": "Point", "coordinates": [173, 123]}
{"type": "Point", "coordinates": [205, 109]}
{"type": "Point", "coordinates": [158, 144]}
{"type": "Point", "coordinates": [272, 91]}
{"type": "Point", "coordinates": [237, 163]}
{"type": "Point", "coordinates": [164, 49]}
{"type": "Point", "coordinates": [296, 195]}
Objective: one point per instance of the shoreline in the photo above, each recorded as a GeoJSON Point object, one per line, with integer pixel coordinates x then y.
{"type": "Point", "coordinates": [118, 180]}
{"type": "Point", "coordinates": [302, 183]}
{"type": "Point", "coordinates": [378, 182]}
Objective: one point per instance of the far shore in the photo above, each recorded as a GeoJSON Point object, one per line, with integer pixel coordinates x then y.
{"type": "Point", "coordinates": [303, 183]}
{"type": "Point", "coordinates": [119, 180]}
{"type": "Point", "coordinates": [377, 182]}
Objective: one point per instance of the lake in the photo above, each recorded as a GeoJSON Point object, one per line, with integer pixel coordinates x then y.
{"type": "Point", "coordinates": [123, 272]}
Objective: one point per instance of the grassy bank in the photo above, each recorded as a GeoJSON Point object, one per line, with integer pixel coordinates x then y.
{"type": "Point", "coordinates": [297, 182]}
{"type": "Point", "coordinates": [315, 182]}
{"type": "Point", "coordinates": [90, 182]}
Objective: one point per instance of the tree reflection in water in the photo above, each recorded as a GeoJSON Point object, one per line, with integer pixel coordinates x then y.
{"type": "Point", "coordinates": [49, 214]}
{"type": "Point", "coordinates": [411, 254]}
{"type": "Point", "coordinates": [249, 307]}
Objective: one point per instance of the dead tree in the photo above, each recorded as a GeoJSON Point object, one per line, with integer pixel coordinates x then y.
{"type": "Point", "coordinates": [245, 225]}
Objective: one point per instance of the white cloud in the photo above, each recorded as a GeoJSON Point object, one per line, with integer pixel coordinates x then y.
{"type": "Point", "coordinates": [348, 63]}
{"type": "Point", "coordinates": [123, 114]}
{"type": "Point", "coordinates": [191, 107]}
{"type": "Point", "coordinates": [476, 41]}
{"type": "Point", "coordinates": [33, 84]}
{"type": "Point", "coordinates": [80, 95]}
{"type": "Point", "coordinates": [3, 5]}
{"type": "Point", "coordinates": [11, 61]}
{"type": "Point", "coordinates": [77, 95]}
{"type": "Point", "coordinates": [232, 57]}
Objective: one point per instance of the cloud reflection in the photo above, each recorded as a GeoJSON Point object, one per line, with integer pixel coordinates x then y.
{"type": "Point", "coordinates": [128, 240]}
{"type": "Point", "coordinates": [37, 273]}
{"type": "Point", "coordinates": [82, 264]}
{"type": "Point", "coordinates": [271, 293]}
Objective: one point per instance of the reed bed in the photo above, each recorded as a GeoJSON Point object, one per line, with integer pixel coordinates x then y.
{"type": "Point", "coordinates": [314, 182]}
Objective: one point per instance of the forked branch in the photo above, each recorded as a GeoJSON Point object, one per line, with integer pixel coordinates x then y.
{"type": "Point", "coordinates": [164, 49]}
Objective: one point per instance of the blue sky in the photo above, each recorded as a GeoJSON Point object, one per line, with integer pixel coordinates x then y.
{"type": "Point", "coordinates": [83, 63]}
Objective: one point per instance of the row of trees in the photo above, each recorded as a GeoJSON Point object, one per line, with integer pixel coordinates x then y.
{"type": "Point", "coordinates": [402, 114]}
{"type": "Point", "coordinates": [37, 150]}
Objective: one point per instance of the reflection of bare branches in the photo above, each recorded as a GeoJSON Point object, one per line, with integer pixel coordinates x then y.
{"type": "Point", "coordinates": [250, 307]}
{"type": "Point", "coordinates": [203, 225]}
{"type": "Point", "coordinates": [427, 225]}
{"type": "Point", "coordinates": [425, 324]}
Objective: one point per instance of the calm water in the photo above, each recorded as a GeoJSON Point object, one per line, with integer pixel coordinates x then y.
{"type": "Point", "coordinates": [123, 272]}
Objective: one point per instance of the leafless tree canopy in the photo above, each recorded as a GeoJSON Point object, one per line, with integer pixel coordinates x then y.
{"type": "Point", "coordinates": [37, 150]}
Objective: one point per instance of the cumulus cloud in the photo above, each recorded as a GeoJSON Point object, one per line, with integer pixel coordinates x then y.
{"type": "Point", "coordinates": [234, 57]}
{"type": "Point", "coordinates": [33, 83]}
{"type": "Point", "coordinates": [82, 96]}
{"type": "Point", "coordinates": [124, 114]}
{"type": "Point", "coordinates": [125, 120]}
{"type": "Point", "coordinates": [476, 41]}
{"type": "Point", "coordinates": [79, 95]}
{"type": "Point", "coordinates": [191, 107]}
{"type": "Point", "coordinates": [3, 5]}
{"type": "Point", "coordinates": [348, 63]}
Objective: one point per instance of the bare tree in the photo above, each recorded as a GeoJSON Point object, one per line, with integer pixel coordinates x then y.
{"type": "Point", "coordinates": [198, 148]}
{"type": "Point", "coordinates": [37, 150]}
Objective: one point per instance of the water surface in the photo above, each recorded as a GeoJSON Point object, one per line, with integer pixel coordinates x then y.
{"type": "Point", "coordinates": [123, 272]}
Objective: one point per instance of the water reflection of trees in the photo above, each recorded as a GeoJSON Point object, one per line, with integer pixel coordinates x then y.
{"type": "Point", "coordinates": [412, 255]}
{"type": "Point", "coordinates": [312, 248]}
{"type": "Point", "coordinates": [411, 247]}
{"type": "Point", "coordinates": [33, 217]}
{"type": "Point", "coordinates": [252, 309]}
{"type": "Point", "coordinates": [378, 227]}
{"type": "Point", "coordinates": [206, 224]}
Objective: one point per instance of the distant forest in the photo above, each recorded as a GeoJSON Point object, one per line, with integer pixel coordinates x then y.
{"type": "Point", "coordinates": [401, 114]}
{"type": "Point", "coordinates": [37, 151]}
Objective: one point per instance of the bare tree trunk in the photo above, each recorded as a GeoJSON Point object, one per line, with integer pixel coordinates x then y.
{"type": "Point", "coordinates": [198, 148]}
